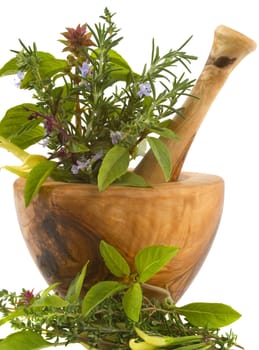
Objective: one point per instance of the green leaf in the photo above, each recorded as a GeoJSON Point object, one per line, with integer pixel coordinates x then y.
{"type": "Point", "coordinates": [114, 260]}
{"type": "Point", "coordinates": [162, 155]}
{"type": "Point", "coordinates": [24, 340]}
{"type": "Point", "coordinates": [17, 128]}
{"type": "Point", "coordinates": [77, 147]}
{"type": "Point", "coordinates": [151, 259]}
{"type": "Point", "coordinates": [98, 293]}
{"type": "Point", "coordinates": [48, 66]}
{"type": "Point", "coordinates": [165, 132]}
{"type": "Point", "coordinates": [132, 302]}
{"type": "Point", "coordinates": [131, 179]}
{"type": "Point", "coordinates": [9, 68]}
{"type": "Point", "coordinates": [165, 341]}
{"type": "Point", "coordinates": [50, 300]}
{"type": "Point", "coordinates": [11, 316]}
{"type": "Point", "coordinates": [75, 287]}
{"type": "Point", "coordinates": [30, 162]}
{"type": "Point", "coordinates": [49, 289]}
{"type": "Point", "coordinates": [209, 315]}
{"type": "Point", "coordinates": [115, 164]}
{"type": "Point", "coordinates": [36, 178]}
{"type": "Point", "coordinates": [120, 69]}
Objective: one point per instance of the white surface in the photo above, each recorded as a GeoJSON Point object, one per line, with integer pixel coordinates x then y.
{"type": "Point", "coordinates": [227, 143]}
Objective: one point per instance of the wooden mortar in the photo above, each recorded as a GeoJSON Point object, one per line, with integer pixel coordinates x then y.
{"type": "Point", "coordinates": [64, 224]}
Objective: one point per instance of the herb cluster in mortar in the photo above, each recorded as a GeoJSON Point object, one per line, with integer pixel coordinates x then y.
{"type": "Point", "coordinates": [93, 114]}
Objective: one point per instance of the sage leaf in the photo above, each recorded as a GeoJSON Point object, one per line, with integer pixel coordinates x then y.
{"type": "Point", "coordinates": [75, 287]}
{"type": "Point", "coordinates": [115, 164]}
{"type": "Point", "coordinates": [98, 293]}
{"type": "Point", "coordinates": [115, 262]}
{"type": "Point", "coordinates": [162, 155]}
{"type": "Point", "coordinates": [132, 302]}
{"type": "Point", "coordinates": [36, 178]}
{"type": "Point", "coordinates": [24, 340]}
{"type": "Point", "coordinates": [209, 315]}
{"type": "Point", "coordinates": [150, 260]}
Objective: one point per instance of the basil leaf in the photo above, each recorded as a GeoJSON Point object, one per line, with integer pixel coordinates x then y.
{"type": "Point", "coordinates": [151, 259]}
{"type": "Point", "coordinates": [114, 260]}
{"type": "Point", "coordinates": [115, 164]}
{"type": "Point", "coordinates": [209, 315]}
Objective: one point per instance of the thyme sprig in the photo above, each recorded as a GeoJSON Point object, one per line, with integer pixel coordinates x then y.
{"type": "Point", "coordinates": [108, 316]}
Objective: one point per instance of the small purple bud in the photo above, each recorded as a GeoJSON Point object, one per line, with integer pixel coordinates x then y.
{"type": "Point", "coordinates": [84, 69]}
{"type": "Point", "coordinates": [144, 89]}
{"type": "Point", "coordinates": [19, 78]}
{"type": "Point", "coordinates": [97, 156]}
{"type": "Point", "coordinates": [116, 136]}
{"type": "Point", "coordinates": [80, 165]}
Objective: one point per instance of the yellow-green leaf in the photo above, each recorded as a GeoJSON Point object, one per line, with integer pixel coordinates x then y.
{"type": "Point", "coordinates": [114, 165]}
{"type": "Point", "coordinates": [162, 155]}
{"type": "Point", "coordinates": [151, 259]}
{"type": "Point", "coordinates": [98, 293]}
{"type": "Point", "coordinates": [132, 302]}
{"type": "Point", "coordinates": [36, 178]}
{"type": "Point", "coordinates": [209, 315]}
{"type": "Point", "coordinates": [114, 260]}
{"type": "Point", "coordinates": [24, 340]}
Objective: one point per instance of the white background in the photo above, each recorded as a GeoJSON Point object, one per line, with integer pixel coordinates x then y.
{"type": "Point", "coordinates": [226, 145]}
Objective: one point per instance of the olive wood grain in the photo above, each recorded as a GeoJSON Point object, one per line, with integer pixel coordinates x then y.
{"type": "Point", "coordinates": [64, 224]}
{"type": "Point", "coordinates": [228, 49]}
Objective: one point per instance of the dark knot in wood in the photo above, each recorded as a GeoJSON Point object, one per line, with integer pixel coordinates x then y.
{"type": "Point", "coordinates": [221, 62]}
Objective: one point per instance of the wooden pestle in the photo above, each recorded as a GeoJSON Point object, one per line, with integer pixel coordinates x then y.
{"type": "Point", "coordinates": [228, 49]}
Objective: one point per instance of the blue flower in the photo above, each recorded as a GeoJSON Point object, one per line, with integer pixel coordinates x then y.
{"type": "Point", "coordinates": [80, 165]}
{"type": "Point", "coordinates": [144, 89]}
{"type": "Point", "coordinates": [84, 69]}
{"type": "Point", "coordinates": [19, 78]}
{"type": "Point", "coordinates": [116, 136]}
{"type": "Point", "coordinates": [97, 156]}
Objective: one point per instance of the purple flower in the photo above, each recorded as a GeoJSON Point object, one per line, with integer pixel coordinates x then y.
{"type": "Point", "coordinates": [80, 165]}
{"type": "Point", "coordinates": [144, 89]}
{"type": "Point", "coordinates": [19, 78]}
{"type": "Point", "coordinates": [84, 69]}
{"type": "Point", "coordinates": [97, 156]}
{"type": "Point", "coordinates": [116, 136]}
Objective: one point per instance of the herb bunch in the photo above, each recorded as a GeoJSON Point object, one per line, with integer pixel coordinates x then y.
{"type": "Point", "coordinates": [115, 314]}
{"type": "Point", "coordinates": [93, 113]}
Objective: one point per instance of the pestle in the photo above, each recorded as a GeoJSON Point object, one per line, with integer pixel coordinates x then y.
{"type": "Point", "coordinates": [229, 47]}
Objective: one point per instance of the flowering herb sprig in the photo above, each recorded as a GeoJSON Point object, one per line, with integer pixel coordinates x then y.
{"type": "Point", "coordinates": [115, 314]}
{"type": "Point", "coordinates": [92, 112]}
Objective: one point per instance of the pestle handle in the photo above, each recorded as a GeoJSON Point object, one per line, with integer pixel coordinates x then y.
{"type": "Point", "coordinates": [229, 47]}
